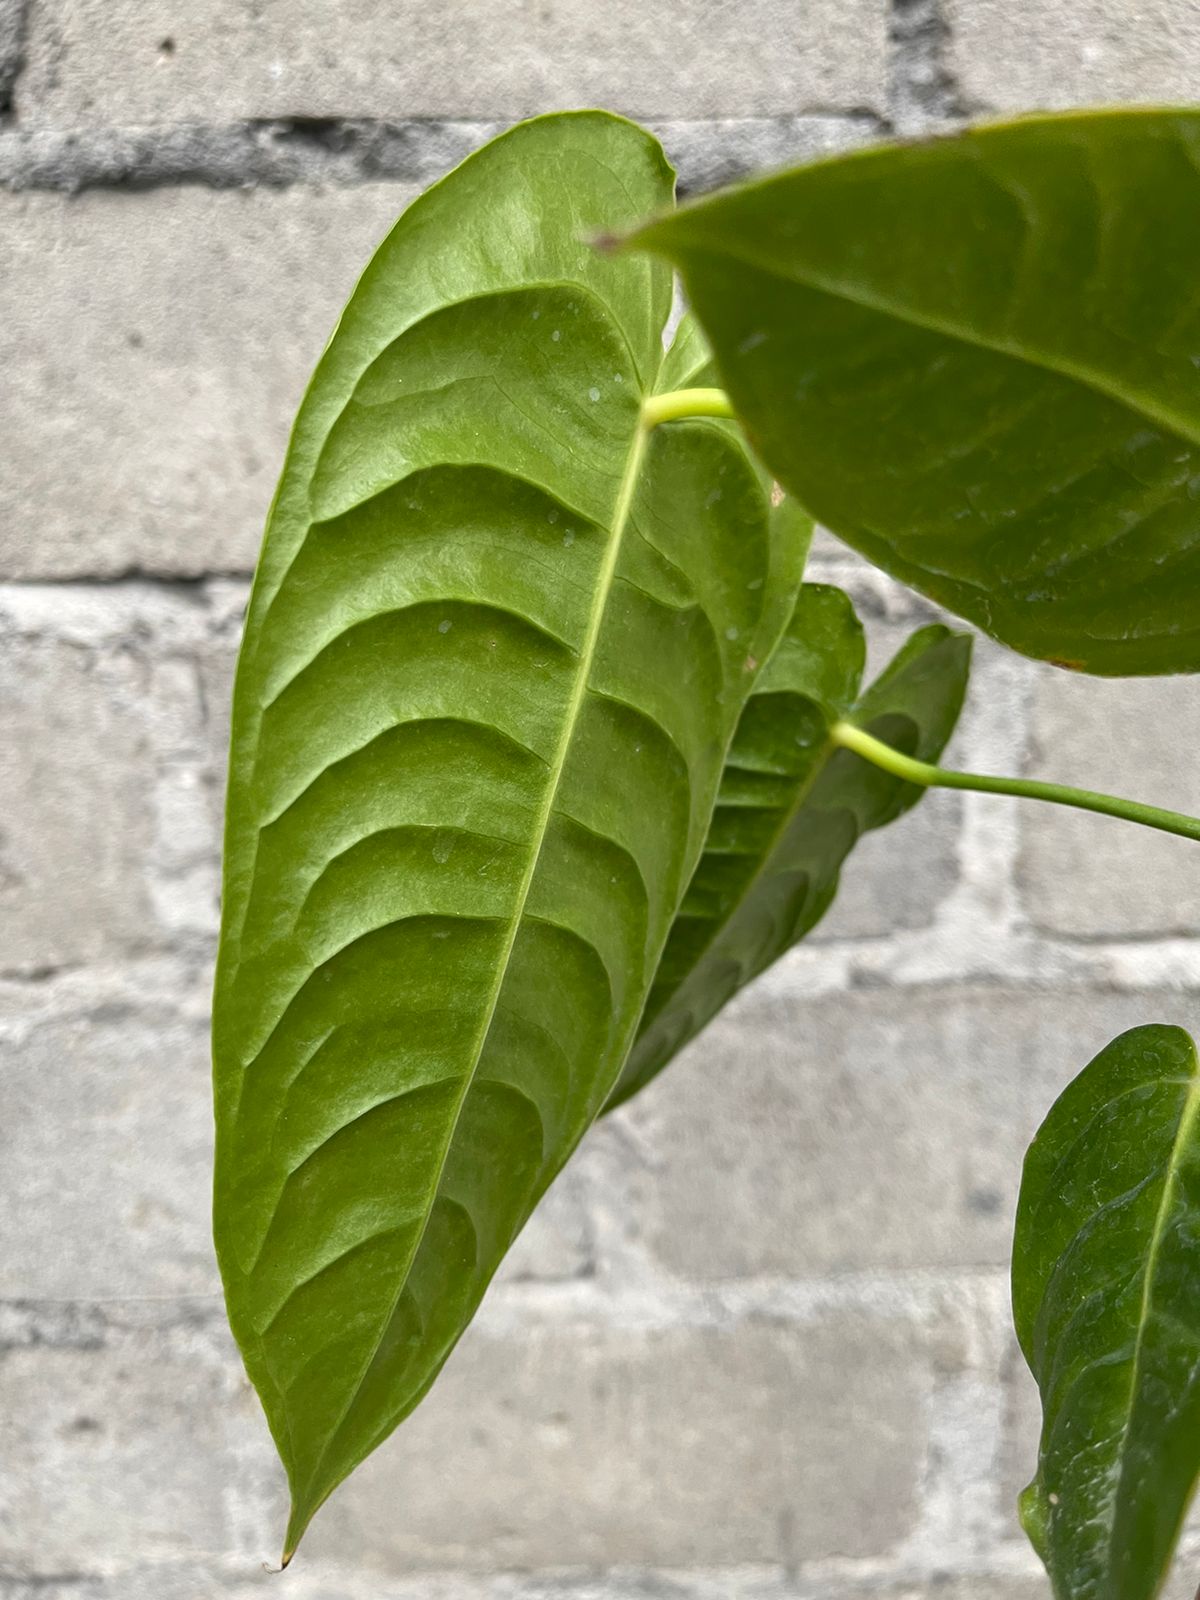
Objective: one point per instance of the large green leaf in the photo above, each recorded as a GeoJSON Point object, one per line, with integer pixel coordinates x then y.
{"type": "Point", "coordinates": [791, 807]}
{"type": "Point", "coordinates": [1106, 1296]}
{"type": "Point", "coordinates": [498, 644]}
{"type": "Point", "coordinates": [975, 359]}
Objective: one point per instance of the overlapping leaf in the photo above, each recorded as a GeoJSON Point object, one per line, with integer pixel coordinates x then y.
{"type": "Point", "coordinates": [499, 641]}
{"type": "Point", "coordinates": [791, 807]}
{"type": "Point", "coordinates": [1106, 1296]}
{"type": "Point", "coordinates": [975, 359]}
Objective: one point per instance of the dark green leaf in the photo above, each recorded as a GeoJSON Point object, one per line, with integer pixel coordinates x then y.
{"type": "Point", "coordinates": [1106, 1296]}
{"type": "Point", "coordinates": [498, 645]}
{"type": "Point", "coordinates": [791, 808]}
{"type": "Point", "coordinates": [975, 359]}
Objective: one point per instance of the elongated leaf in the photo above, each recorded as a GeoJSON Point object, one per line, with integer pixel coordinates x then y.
{"type": "Point", "coordinates": [1106, 1296]}
{"type": "Point", "coordinates": [497, 648]}
{"type": "Point", "coordinates": [791, 807]}
{"type": "Point", "coordinates": [975, 359]}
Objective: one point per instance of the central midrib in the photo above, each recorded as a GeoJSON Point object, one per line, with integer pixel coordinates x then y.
{"type": "Point", "coordinates": [622, 506]}
{"type": "Point", "coordinates": [1187, 1121]}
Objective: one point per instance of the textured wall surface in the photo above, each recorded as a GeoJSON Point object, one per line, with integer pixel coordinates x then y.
{"type": "Point", "coordinates": [757, 1342]}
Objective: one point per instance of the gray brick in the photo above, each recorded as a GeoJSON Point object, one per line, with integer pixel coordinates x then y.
{"type": "Point", "coordinates": [877, 1129]}
{"type": "Point", "coordinates": [111, 772]}
{"type": "Point", "coordinates": [148, 1450]}
{"type": "Point", "coordinates": [1023, 54]}
{"type": "Point", "coordinates": [1090, 876]}
{"type": "Point", "coordinates": [75, 807]}
{"type": "Point", "coordinates": [155, 348]}
{"type": "Point", "coordinates": [92, 63]}
{"type": "Point", "coordinates": [106, 1150]}
{"type": "Point", "coordinates": [676, 1446]}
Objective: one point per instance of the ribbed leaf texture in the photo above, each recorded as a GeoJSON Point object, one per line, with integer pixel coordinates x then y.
{"type": "Point", "coordinates": [499, 641]}
{"type": "Point", "coordinates": [1106, 1295]}
{"type": "Point", "coordinates": [975, 359]}
{"type": "Point", "coordinates": [791, 807]}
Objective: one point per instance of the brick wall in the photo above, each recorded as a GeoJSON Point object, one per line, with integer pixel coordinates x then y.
{"type": "Point", "coordinates": [757, 1341]}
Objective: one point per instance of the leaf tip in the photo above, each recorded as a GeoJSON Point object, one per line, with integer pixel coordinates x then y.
{"type": "Point", "coordinates": [607, 242]}
{"type": "Point", "coordinates": [616, 241]}
{"type": "Point", "coordinates": [298, 1521]}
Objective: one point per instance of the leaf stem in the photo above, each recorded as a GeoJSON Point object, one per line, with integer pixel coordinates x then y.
{"type": "Point", "coordinates": [683, 403]}
{"type": "Point", "coordinates": [882, 755]}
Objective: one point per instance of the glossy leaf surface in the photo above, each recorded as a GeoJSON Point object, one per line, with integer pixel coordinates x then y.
{"type": "Point", "coordinates": [791, 807]}
{"type": "Point", "coordinates": [1106, 1296]}
{"type": "Point", "coordinates": [977, 360]}
{"type": "Point", "coordinates": [497, 648]}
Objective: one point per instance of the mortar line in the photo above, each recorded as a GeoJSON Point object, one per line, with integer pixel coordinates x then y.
{"type": "Point", "coordinates": [923, 91]}
{"type": "Point", "coordinates": [298, 151]}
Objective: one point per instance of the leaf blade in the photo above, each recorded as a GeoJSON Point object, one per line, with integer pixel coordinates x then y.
{"type": "Point", "coordinates": [966, 357]}
{"type": "Point", "coordinates": [496, 650]}
{"type": "Point", "coordinates": [1104, 1274]}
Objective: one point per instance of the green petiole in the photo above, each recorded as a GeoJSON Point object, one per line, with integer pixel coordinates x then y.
{"type": "Point", "coordinates": [683, 403]}
{"type": "Point", "coordinates": [913, 771]}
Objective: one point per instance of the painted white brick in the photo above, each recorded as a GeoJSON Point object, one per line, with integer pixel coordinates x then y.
{"type": "Point", "coordinates": [1023, 55]}
{"type": "Point", "coordinates": [155, 348]}
{"type": "Point", "coordinates": [107, 1150]}
{"type": "Point", "coordinates": [1086, 876]}
{"type": "Point", "coordinates": [682, 1446]}
{"type": "Point", "coordinates": [873, 1130]}
{"type": "Point", "coordinates": [146, 1450]}
{"type": "Point", "coordinates": [111, 771]}
{"type": "Point", "coordinates": [92, 63]}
